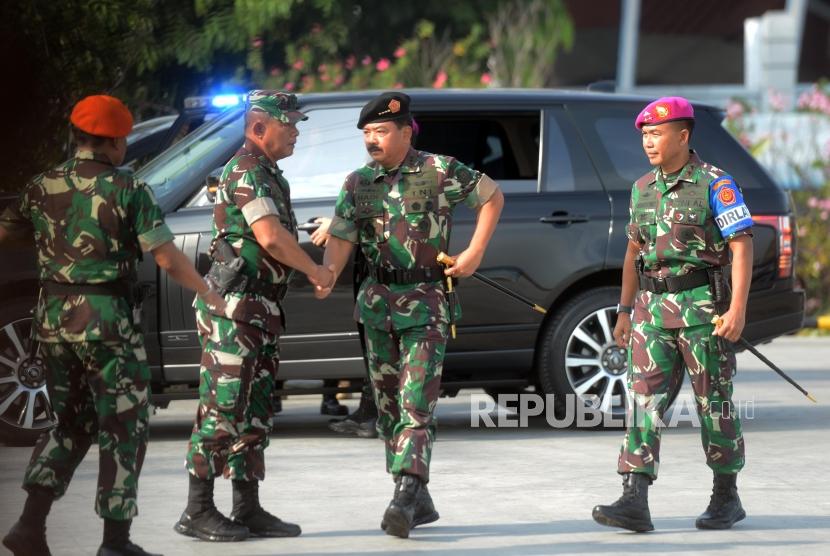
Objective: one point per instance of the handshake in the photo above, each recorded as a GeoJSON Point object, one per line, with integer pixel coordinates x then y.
{"type": "Point", "coordinates": [323, 279]}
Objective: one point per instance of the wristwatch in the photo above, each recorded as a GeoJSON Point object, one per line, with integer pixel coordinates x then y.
{"type": "Point", "coordinates": [624, 309]}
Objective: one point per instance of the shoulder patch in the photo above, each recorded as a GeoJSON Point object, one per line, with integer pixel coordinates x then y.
{"type": "Point", "coordinates": [645, 179]}
{"type": "Point", "coordinates": [717, 184]}
{"type": "Point", "coordinates": [726, 195]}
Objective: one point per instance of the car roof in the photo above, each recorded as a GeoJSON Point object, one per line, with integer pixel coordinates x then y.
{"type": "Point", "coordinates": [510, 97]}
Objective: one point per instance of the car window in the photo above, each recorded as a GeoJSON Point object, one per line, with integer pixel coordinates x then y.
{"type": "Point", "coordinates": [328, 149]}
{"type": "Point", "coordinates": [567, 166]}
{"type": "Point", "coordinates": [616, 146]}
{"type": "Point", "coordinates": [503, 146]}
{"type": "Point", "coordinates": [179, 172]}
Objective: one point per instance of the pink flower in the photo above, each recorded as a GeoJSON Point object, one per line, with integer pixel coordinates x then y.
{"type": "Point", "coordinates": [486, 79]}
{"type": "Point", "coordinates": [325, 77]}
{"type": "Point", "coordinates": [777, 101]}
{"type": "Point", "coordinates": [366, 60]}
{"type": "Point", "coordinates": [383, 64]}
{"type": "Point", "coordinates": [400, 52]}
{"type": "Point", "coordinates": [338, 80]}
{"type": "Point", "coordinates": [256, 42]}
{"type": "Point", "coordinates": [824, 214]}
{"type": "Point", "coordinates": [298, 65]}
{"type": "Point", "coordinates": [275, 71]}
{"type": "Point", "coordinates": [351, 61]}
{"type": "Point", "coordinates": [440, 80]}
{"type": "Point", "coordinates": [397, 86]}
{"type": "Point", "coordinates": [289, 86]}
{"type": "Point", "coordinates": [812, 202]}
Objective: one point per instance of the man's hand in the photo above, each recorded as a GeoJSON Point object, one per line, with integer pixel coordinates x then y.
{"type": "Point", "coordinates": [215, 302]}
{"type": "Point", "coordinates": [322, 291]}
{"type": "Point", "coordinates": [320, 236]}
{"type": "Point", "coordinates": [466, 263]}
{"type": "Point", "coordinates": [321, 278]}
{"type": "Point", "coordinates": [730, 325]}
{"type": "Point", "coordinates": [622, 330]}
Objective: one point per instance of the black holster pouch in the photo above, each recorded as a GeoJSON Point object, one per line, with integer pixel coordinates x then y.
{"type": "Point", "coordinates": [225, 270]}
{"type": "Point", "coordinates": [452, 303]}
{"type": "Point", "coordinates": [721, 296]}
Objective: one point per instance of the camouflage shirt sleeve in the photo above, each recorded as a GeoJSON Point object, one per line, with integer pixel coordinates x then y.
{"type": "Point", "coordinates": [147, 219]}
{"type": "Point", "coordinates": [344, 223]}
{"type": "Point", "coordinates": [462, 183]}
{"type": "Point", "coordinates": [17, 218]}
{"type": "Point", "coordinates": [631, 230]}
{"type": "Point", "coordinates": [252, 194]}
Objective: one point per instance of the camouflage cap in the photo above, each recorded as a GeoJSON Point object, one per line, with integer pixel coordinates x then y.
{"type": "Point", "coordinates": [277, 104]}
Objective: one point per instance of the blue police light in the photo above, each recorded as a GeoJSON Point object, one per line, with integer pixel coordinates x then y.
{"type": "Point", "coordinates": [225, 101]}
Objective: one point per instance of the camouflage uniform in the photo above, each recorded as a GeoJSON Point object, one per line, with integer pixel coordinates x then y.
{"type": "Point", "coordinates": [682, 223]}
{"type": "Point", "coordinates": [240, 348]}
{"type": "Point", "coordinates": [401, 219]}
{"type": "Point", "coordinates": [91, 222]}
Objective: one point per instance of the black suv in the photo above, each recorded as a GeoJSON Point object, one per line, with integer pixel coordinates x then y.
{"type": "Point", "coordinates": [566, 162]}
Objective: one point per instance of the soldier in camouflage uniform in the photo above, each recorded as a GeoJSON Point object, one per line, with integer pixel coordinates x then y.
{"type": "Point", "coordinates": [398, 210]}
{"type": "Point", "coordinates": [254, 250]}
{"type": "Point", "coordinates": [686, 218]}
{"type": "Point", "coordinates": [91, 221]}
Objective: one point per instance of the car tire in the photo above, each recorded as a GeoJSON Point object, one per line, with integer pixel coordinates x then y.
{"type": "Point", "coordinates": [579, 360]}
{"type": "Point", "coordinates": [25, 411]}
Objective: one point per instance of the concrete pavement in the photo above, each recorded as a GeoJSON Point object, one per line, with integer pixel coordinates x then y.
{"type": "Point", "coordinates": [499, 491]}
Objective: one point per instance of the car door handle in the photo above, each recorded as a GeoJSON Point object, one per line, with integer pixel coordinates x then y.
{"type": "Point", "coordinates": [560, 217]}
{"type": "Point", "coordinates": [309, 227]}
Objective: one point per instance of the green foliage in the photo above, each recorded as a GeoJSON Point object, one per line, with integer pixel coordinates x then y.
{"type": "Point", "coordinates": [154, 53]}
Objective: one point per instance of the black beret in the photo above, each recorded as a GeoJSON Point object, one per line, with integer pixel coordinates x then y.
{"type": "Point", "coordinates": [385, 108]}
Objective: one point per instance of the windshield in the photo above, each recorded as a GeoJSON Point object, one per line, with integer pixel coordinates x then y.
{"type": "Point", "coordinates": [148, 127]}
{"type": "Point", "coordinates": [180, 170]}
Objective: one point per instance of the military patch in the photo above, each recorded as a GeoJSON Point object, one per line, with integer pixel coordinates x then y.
{"type": "Point", "coordinates": [727, 196]}
{"type": "Point", "coordinates": [394, 106]}
{"type": "Point", "coordinates": [720, 183]}
{"type": "Point", "coordinates": [662, 111]}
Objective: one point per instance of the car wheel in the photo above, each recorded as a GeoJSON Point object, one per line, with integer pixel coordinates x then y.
{"type": "Point", "coordinates": [25, 411]}
{"type": "Point", "coordinates": [578, 358]}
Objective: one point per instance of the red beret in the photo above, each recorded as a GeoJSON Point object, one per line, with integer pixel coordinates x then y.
{"type": "Point", "coordinates": [102, 115]}
{"type": "Point", "coordinates": [666, 109]}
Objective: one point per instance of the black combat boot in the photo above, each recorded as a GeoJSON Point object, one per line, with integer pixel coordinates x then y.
{"type": "Point", "coordinates": [247, 511]}
{"type": "Point", "coordinates": [202, 520]}
{"type": "Point", "coordinates": [631, 510]}
{"type": "Point", "coordinates": [424, 509]}
{"type": "Point", "coordinates": [117, 540]}
{"type": "Point", "coordinates": [725, 508]}
{"type": "Point", "coordinates": [331, 406]}
{"type": "Point", "coordinates": [28, 536]}
{"type": "Point", "coordinates": [364, 419]}
{"type": "Point", "coordinates": [399, 517]}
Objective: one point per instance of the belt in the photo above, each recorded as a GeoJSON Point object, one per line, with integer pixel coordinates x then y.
{"type": "Point", "coordinates": [255, 286]}
{"type": "Point", "coordinates": [673, 284]}
{"type": "Point", "coordinates": [115, 288]}
{"type": "Point", "coordinates": [388, 276]}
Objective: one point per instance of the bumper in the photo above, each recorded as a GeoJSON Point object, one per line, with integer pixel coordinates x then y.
{"type": "Point", "coordinates": [772, 314]}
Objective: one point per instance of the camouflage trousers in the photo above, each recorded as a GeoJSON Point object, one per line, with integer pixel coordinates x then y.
{"type": "Point", "coordinates": [99, 391]}
{"type": "Point", "coordinates": [405, 371]}
{"type": "Point", "coordinates": [236, 384]}
{"type": "Point", "coordinates": [656, 360]}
